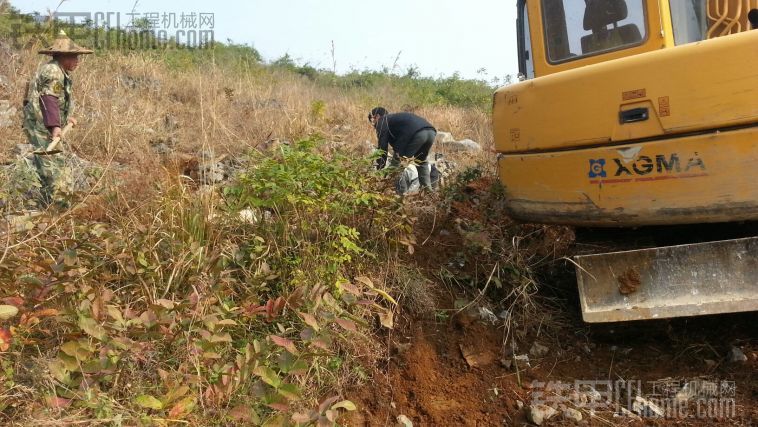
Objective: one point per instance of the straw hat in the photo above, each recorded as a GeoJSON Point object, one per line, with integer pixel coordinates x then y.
{"type": "Point", "coordinates": [63, 44]}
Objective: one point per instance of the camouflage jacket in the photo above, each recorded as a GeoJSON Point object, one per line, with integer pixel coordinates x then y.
{"type": "Point", "coordinates": [50, 79]}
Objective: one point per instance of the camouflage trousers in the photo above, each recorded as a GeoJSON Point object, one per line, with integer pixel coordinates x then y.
{"type": "Point", "coordinates": [51, 169]}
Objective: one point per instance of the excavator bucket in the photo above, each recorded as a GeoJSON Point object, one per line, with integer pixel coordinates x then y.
{"type": "Point", "coordinates": [676, 281]}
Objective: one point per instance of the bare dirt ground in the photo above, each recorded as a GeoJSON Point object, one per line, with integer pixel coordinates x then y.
{"type": "Point", "coordinates": [456, 370]}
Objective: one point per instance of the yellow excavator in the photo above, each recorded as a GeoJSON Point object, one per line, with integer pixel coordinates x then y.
{"type": "Point", "coordinates": [640, 114]}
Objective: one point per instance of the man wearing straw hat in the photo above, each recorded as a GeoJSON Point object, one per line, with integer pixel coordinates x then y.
{"type": "Point", "coordinates": [47, 109]}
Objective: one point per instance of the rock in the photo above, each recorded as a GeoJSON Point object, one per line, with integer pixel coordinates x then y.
{"type": "Point", "coordinates": [523, 360]}
{"type": "Point", "coordinates": [477, 358]}
{"type": "Point", "coordinates": [205, 169]}
{"type": "Point", "coordinates": [538, 414]}
{"type": "Point", "coordinates": [170, 123]}
{"type": "Point", "coordinates": [687, 393]}
{"type": "Point", "coordinates": [737, 356]}
{"type": "Point", "coordinates": [140, 82]}
{"type": "Point", "coordinates": [462, 145]}
{"type": "Point", "coordinates": [626, 413]}
{"type": "Point", "coordinates": [403, 421]}
{"type": "Point", "coordinates": [248, 216]}
{"type": "Point", "coordinates": [519, 405]}
{"type": "Point", "coordinates": [646, 408]}
{"type": "Point", "coordinates": [7, 114]}
{"type": "Point", "coordinates": [486, 315]}
{"type": "Point", "coordinates": [273, 104]}
{"type": "Point", "coordinates": [538, 350]}
{"type": "Point", "coordinates": [572, 414]}
{"type": "Point", "coordinates": [444, 138]}
{"type": "Point", "coordinates": [162, 146]}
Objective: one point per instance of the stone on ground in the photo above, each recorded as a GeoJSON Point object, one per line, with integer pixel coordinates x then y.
{"type": "Point", "coordinates": [538, 414]}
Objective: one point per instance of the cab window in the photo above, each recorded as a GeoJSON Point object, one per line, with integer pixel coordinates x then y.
{"type": "Point", "coordinates": [524, 37]}
{"type": "Point", "coordinates": [579, 28]}
{"type": "Point", "coordinates": [689, 20]}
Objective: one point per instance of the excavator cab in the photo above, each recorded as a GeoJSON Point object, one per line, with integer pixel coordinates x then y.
{"type": "Point", "coordinates": [638, 113]}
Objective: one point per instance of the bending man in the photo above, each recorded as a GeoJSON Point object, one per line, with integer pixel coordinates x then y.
{"type": "Point", "coordinates": [409, 135]}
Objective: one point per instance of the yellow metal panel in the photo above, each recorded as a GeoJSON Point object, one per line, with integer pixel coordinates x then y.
{"type": "Point", "coordinates": [689, 180]}
{"type": "Point", "coordinates": [699, 86]}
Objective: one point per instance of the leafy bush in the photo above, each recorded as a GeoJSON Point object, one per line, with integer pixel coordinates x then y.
{"type": "Point", "coordinates": [186, 307]}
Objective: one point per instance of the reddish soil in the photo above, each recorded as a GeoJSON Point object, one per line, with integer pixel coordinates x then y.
{"type": "Point", "coordinates": [427, 378]}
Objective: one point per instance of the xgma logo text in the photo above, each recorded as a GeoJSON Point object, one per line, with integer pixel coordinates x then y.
{"type": "Point", "coordinates": [646, 165]}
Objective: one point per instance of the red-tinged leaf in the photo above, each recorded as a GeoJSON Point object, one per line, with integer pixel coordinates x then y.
{"type": "Point", "coordinates": [14, 301]}
{"type": "Point", "coordinates": [58, 402]}
{"type": "Point", "coordinates": [365, 280]}
{"type": "Point", "coordinates": [279, 305]}
{"type": "Point", "coordinates": [217, 338]}
{"type": "Point", "coordinates": [6, 339]}
{"type": "Point", "coordinates": [253, 310]}
{"type": "Point", "coordinates": [301, 418]}
{"type": "Point", "coordinates": [242, 413]}
{"type": "Point", "coordinates": [194, 299]}
{"type": "Point", "coordinates": [284, 342]}
{"type": "Point", "coordinates": [311, 321]}
{"type": "Point", "coordinates": [50, 312]}
{"type": "Point", "coordinates": [279, 406]}
{"type": "Point", "coordinates": [348, 325]}
{"type": "Point", "coordinates": [149, 319]}
{"type": "Point", "coordinates": [351, 288]}
{"type": "Point", "coordinates": [167, 304]}
{"type": "Point", "coordinates": [183, 408]}
{"type": "Point", "coordinates": [320, 343]}
{"type": "Point", "coordinates": [327, 403]}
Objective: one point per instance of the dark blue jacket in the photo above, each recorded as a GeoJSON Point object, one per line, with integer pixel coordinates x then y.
{"type": "Point", "coordinates": [397, 130]}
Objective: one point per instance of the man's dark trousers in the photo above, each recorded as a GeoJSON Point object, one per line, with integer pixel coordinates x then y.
{"type": "Point", "coordinates": [418, 148]}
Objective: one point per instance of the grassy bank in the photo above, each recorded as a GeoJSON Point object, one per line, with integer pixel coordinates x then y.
{"type": "Point", "coordinates": [156, 300]}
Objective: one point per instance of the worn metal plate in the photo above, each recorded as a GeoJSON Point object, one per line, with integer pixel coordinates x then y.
{"type": "Point", "coordinates": [676, 281]}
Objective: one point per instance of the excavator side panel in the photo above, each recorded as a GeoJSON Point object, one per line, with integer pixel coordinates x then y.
{"type": "Point", "coordinates": [704, 178]}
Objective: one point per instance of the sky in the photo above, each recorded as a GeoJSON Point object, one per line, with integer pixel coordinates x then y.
{"type": "Point", "coordinates": [476, 38]}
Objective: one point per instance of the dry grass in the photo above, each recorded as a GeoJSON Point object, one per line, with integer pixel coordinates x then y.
{"type": "Point", "coordinates": [125, 105]}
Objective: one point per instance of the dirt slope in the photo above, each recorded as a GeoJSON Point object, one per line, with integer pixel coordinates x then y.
{"type": "Point", "coordinates": [429, 378]}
